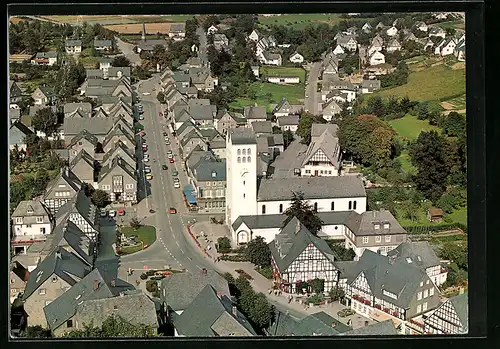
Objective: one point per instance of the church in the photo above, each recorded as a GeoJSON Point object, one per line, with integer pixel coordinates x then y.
{"type": "Point", "coordinates": [248, 195]}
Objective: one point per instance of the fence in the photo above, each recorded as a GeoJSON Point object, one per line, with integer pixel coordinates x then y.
{"type": "Point", "coordinates": [422, 229]}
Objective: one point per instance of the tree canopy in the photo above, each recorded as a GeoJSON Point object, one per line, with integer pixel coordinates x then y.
{"type": "Point", "coordinates": [304, 212]}
{"type": "Point", "coordinates": [258, 252]}
{"type": "Point", "coordinates": [120, 61]}
{"type": "Point", "coordinates": [113, 326]}
{"type": "Point", "coordinates": [304, 127]}
{"type": "Point", "coordinates": [45, 120]}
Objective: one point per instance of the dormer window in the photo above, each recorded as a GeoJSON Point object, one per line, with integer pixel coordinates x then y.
{"type": "Point", "coordinates": [408, 260]}
{"type": "Point", "coordinates": [386, 225]}
{"type": "Point", "coordinates": [30, 210]}
{"type": "Point", "coordinates": [376, 226]}
{"type": "Point", "coordinates": [214, 174]}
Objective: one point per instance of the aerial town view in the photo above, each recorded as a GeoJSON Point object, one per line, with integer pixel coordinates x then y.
{"type": "Point", "coordinates": [238, 175]}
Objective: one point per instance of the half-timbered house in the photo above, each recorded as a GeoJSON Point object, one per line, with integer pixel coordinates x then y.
{"type": "Point", "coordinates": [298, 256]}
{"type": "Point", "coordinates": [82, 212]}
{"type": "Point", "coordinates": [451, 317]}
{"type": "Point", "coordinates": [61, 189]}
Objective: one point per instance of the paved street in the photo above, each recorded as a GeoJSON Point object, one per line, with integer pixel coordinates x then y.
{"type": "Point", "coordinates": [313, 98]}
{"type": "Point", "coordinates": [128, 51]}
{"type": "Point", "coordinates": [202, 52]}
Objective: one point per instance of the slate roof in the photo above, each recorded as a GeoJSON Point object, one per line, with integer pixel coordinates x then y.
{"type": "Point", "coordinates": [73, 42]}
{"type": "Point", "coordinates": [191, 284]}
{"type": "Point", "coordinates": [119, 145]}
{"type": "Point", "coordinates": [71, 107]}
{"type": "Point", "coordinates": [312, 187]}
{"type": "Point", "coordinates": [242, 136]}
{"type": "Point", "coordinates": [420, 253]}
{"type": "Point", "coordinates": [344, 39]}
{"type": "Point", "coordinates": [181, 77]}
{"type": "Point", "coordinates": [371, 84]}
{"type": "Point", "coordinates": [461, 305]}
{"type": "Point", "coordinates": [209, 316]}
{"type": "Point", "coordinates": [383, 328]}
{"type": "Point", "coordinates": [94, 73]}
{"type": "Point", "coordinates": [82, 154]}
{"type": "Point", "coordinates": [113, 71]}
{"type": "Point", "coordinates": [15, 114]}
{"type": "Point", "coordinates": [320, 324]}
{"type": "Point", "coordinates": [255, 112]}
{"type": "Point", "coordinates": [67, 267]}
{"type": "Point", "coordinates": [64, 307]}
{"type": "Point", "coordinates": [118, 130]}
{"type": "Point", "coordinates": [117, 162]}
{"type": "Point", "coordinates": [262, 127]}
{"type": "Point", "coordinates": [201, 112]}
{"type": "Point", "coordinates": [364, 224]}
{"type": "Point", "coordinates": [398, 278]}
{"type": "Point", "coordinates": [98, 42]}
{"type": "Point", "coordinates": [137, 308]}
{"type": "Point", "coordinates": [290, 120]}
{"type": "Point", "coordinates": [95, 126]}
{"type": "Point", "coordinates": [149, 44]}
{"type": "Point", "coordinates": [327, 142]}
{"type": "Point", "coordinates": [178, 28]}
{"type": "Point", "coordinates": [206, 169]}
{"type": "Point", "coordinates": [81, 204]}
{"type": "Point", "coordinates": [84, 134]}
{"type": "Point", "coordinates": [67, 233]}
{"type": "Point", "coordinates": [67, 176]}
{"type": "Point", "coordinates": [37, 209]}
{"type": "Point", "coordinates": [17, 133]}
{"type": "Point", "coordinates": [50, 54]}
{"type": "Point", "coordinates": [46, 91]}
{"type": "Point", "coordinates": [292, 240]}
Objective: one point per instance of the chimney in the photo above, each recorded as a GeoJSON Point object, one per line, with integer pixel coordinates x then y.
{"type": "Point", "coordinates": [58, 255]}
{"type": "Point", "coordinates": [96, 284]}
{"type": "Point", "coordinates": [235, 311]}
{"type": "Point", "coordinates": [113, 282]}
{"type": "Point", "coordinates": [334, 324]}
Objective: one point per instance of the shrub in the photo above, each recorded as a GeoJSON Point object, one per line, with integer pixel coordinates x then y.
{"type": "Point", "coordinates": [143, 276]}
{"type": "Point", "coordinates": [223, 244]}
{"type": "Point", "coordinates": [150, 272]}
{"type": "Point", "coordinates": [267, 272]}
{"type": "Point", "coordinates": [151, 285]}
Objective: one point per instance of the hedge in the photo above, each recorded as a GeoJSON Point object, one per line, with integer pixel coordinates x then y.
{"type": "Point", "coordinates": [425, 229]}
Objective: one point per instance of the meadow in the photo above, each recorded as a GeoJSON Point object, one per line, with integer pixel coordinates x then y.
{"type": "Point", "coordinates": [409, 127]}
{"type": "Point", "coordinates": [284, 71]}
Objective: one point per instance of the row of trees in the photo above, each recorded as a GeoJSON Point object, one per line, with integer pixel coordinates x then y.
{"type": "Point", "coordinates": [32, 36]}
{"type": "Point", "coordinates": [254, 305]}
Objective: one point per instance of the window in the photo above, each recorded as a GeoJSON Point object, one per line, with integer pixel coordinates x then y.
{"type": "Point", "coordinates": [19, 220]}
{"type": "Point", "coordinates": [263, 209]}
{"type": "Point", "coordinates": [365, 239]}
{"type": "Point", "coordinates": [129, 186]}
{"type": "Point", "coordinates": [419, 296]}
{"type": "Point", "coordinates": [329, 172]}
{"type": "Point", "coordinates": [378, 239]}
{"type": "Point", "coordinates": [427, 282]}
{"type": "Point", "coordinates": [332, 206]}
{"type": "Point", "coordinates": [244, 152]}
{"type": "Point", "coordinates": [431, 292]}
{"type": "Point", "coordinates": [387, 238]}
{"type": "Point", "coordinates": [249, 151]}
{"type": "Point", "coordinates": [243, 196]}
{"type": "Point", "coordinates": [321, 172]}
{"type": "Point", "coordinates": [308, 171]}
{"type": "Point", "coordinates": [239, 152]}
{"type": "Point", "coordinates": [376, 226]}
{"type": "Point", "coordinates": [421, 283]}
{"type": "Point", "coordinates": [39, 219]}
{"type": "Point", "coordinates": [386, 225]}
{"type": "Point", "coordinates": [69, 323]}
{"type": "Point", "coordinates": [419, 308]}
{"type": "Point", "coordinates": [354, 205]}
{"type": "Point", "coordinates": [243, 182]}
{"type": "Point", "coordinates": [248, 159]}
{"type": "Point", "coordinates": [424, 307]}
{"type": "Point", "coordinates": [238, 160]}
{"type": "Point", "coordinates": [426, 293]}
{"type": "Point", "coordinates": [315, 206]}
{"type": "Point", "coordinates": [80, 143]}
{"type": "Point", "coordinates": [41, 291]}
{"type": "Point", "coordinates": [281, 208]}
{"type": "Point", "coordinates": [350, 205]}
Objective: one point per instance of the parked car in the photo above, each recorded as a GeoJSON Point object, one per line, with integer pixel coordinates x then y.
{"type": "Point", "coordinates": [169, 152]}
{"type": "Point", "coordinates": [164, 167]}
{"type": "Point", "coordinates": [172, 210]}
{"type": "Point", "coordinates": [171, 160]}
{"type": "Point", "coordinates": [346, 312]}
{"type": "Point", "coordinates": [104, 213]}
{"type": "Point", "coordinates": [146, 93]}
{"type": "Point", "coordinates": [121, 212]}
{"type": "Point", "coordinates": [177, 185]}
{"type": "Point", "coordinates": [167, 142]}
{"type": "Point", "coordinates": [176, 180]}
{"type": "Point", "coordinates": [146, 159]}
{"type": "Point", "coordinates": [112, 213]}
{"type": "Point", "coordinates": [141, 117]}
{"type": "Point", "coordinates": [149, 176]}
{"type": "Point", "coordinates": [170, 156]}
{"type": "Point", "coordinates": [174, 172]}
{"type": "Point", "coordinates": [165, 134]}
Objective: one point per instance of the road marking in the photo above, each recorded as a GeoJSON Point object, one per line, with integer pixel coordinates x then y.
{"type": "Point", "coordinates": [176, 243]}
{"type": "Point", "coordinates": [199, 267]}
{"type": "Point", "coordinates": [182, 251]}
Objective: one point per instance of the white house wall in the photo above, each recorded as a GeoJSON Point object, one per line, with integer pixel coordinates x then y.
{"type": "Point", "coordinates": [34, 231]}
{"type": "Point", "coordinates": [324, 205]}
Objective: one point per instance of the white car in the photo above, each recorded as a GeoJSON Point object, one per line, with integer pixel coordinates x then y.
{"type": "Point", "coordinates": [141, 117]}
{"type": "Point", "coordinates": [146, 93]}
{"type": "Point", "coordinates": [146, 159]}
{"type": "Point", "coordinates": [112, 213]}
{"type": "Point", "coordinates": [177, 185]}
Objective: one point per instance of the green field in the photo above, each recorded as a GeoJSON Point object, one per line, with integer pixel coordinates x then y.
{"type": "Point", "coordinates": [406, 164]}
{"type": "Point", "coordinates": [433, 83]}
{"type": "Point", "coordinates": [458, 102]}
{"type": "Point", "coordinates": [284, 71]}
{"type": "Point", "coordinates": [457, 216]}
{"type": "Point", "coordinates": [460, 24]}
{"type": "Point", "coordinates": [299, 20]}
{"type": "Point", "coordinates": [409, 126]}
{"type": "Point", "coordinates": [294, 94]}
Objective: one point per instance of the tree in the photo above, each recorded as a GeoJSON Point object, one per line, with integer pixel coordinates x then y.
{"type": "Point", "coordinates": [342, 253]}
{"type": "Point", "coordinates": [288, 138]}
{"type": "Point", "coordinates": [318, 285]}
{"type": "Point", "coordinates": [304, 212]}
{"type": "Point", "coordinates": [336, 293]}
{"type": "Point", "coordinates": [135, 223]}
{"type": "Point", "coordinates": [261, 311]}
{"type": "Point", "coordinates": [113, 326]}
{"type": "Point", "coordinates": [258, 252]}
{"type": "Point", "coordinates": [223, 244]}
{"type": "Point", "coordinates": [160, 97]}
{"type": "Point", "coordinates": [455, 253]}
{"type": "Point", "coordinates": [120, 61]}
{"type": "Point", "coordinates": [45, 120]}
{"type": "Point", "coordinates": [375, 106]}
{"type": "Point", "coordinates": [100, 198]}
{"type": "Point", "coordinates": [454, 125]}
{"type": "Point", "coordinates": [36, 332]}
{"type": "Point", "coordinates": [428, 155]}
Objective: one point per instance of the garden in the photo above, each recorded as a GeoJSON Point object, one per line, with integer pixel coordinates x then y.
{"type": "Point", "coordinates": [137, 237]}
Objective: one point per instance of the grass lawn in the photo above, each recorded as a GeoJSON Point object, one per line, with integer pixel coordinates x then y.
{"type": "Point", "coordinates": [146, 233]}
{"type": "Point", "coordinates": [300, 21]}
{"type": "Point", "coordinates": [430, 84]}
{"type": "Point", "coordinates": [459, 216]}
{"type": "Point", "coordinates": [452, 24]}
{"type": "Point", "coordinates": [293, 93]}
{"type": "Point", "coordinates": [458, 102]}
{"type": "Point", "coordinates": [284, 71]}
{"type": "Point", "coordinates": [406, 164]}
{"type": "Point", "coordinates": [410, 127]}
{"type": "Point", "coordinates": [89, 61]}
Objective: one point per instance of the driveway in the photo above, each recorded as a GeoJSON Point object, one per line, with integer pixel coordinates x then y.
{"type": "Point", "coordinates": [312, 98]}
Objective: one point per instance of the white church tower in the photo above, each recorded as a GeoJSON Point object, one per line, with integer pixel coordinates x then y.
{"type": "Point", "coordinates": [241, 176]}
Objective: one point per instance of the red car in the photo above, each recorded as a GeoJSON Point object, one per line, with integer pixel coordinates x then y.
{"type": "Point", "coordinates": [171, 160]}
{"type": "Point", "coordinates": [121, 212]}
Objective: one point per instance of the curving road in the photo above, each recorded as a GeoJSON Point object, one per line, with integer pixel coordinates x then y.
{"type": "Point", "coordinates": [128, 51]}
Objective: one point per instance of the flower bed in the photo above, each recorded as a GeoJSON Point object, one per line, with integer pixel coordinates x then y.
{"type": "Point", "coordinates": [244, 274]}
{"type": "Point", "coordinates": [378, 306]}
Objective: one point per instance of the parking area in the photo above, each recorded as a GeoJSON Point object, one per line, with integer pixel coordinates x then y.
{"type": "Point", "coordinates": [207, 233]}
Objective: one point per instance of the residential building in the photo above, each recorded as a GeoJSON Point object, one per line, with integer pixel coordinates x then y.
{"type": "Point", "coordinates": [82, 141]}
{"type": "Point", "coordinates": [288, 123]}
{"type": "Point", "coordinates": [17, 136]}
{"type": "Point", "coordinates": [297, 255]}
{"type": "Point", "coordinates": [369, 86]}
{"type": "Point", "coordinates": [105, 65]}
{"type": "Point", "coordinates": [212, 30]}
{"type": "Point", "coordinates": [177, 31]}
{"type": "Point", "coordinates": [330, 109]}
{"type": "Point", "coordinates": [393, 46]}
{"type": "Point", "coordinates": [61, 189]}
{"type": "Point", "coordinates": [84, 108]}
{"type": "Point", "coordinates": [283, 79]}
{"type": "Point", "coordinates": [45, 58]}
{"type": "Point", "coordinates": [436, 31]}
{"type": "Point", "coordinates": [119, 150]}
{"type": "Point", "coordinates": [392, 31]}
{"type": "Point", "coordinates": [43, 96]}
{"type": "Point", "coordinates": [421, 255]}
{"type": "Point", "coordinates": [296, 58]}
{"type": "Point", "coordinates": [118, 133]}
{"type": "Point", "coordinates": [338, 50]}
{"type": "Point", "coordinates": [348, 42]}
{"type": "Point", "coordinates": [284, 108]}
{"type": "Point", "coordinates": [15, 92]}
{"type": "Point", "coordinates": [54, 276]}
{"type": "Point", "coordinates": [82, 166]}
{"type": "Point", "coordinates": [73, 46]}
{"type": "Point", "coordinates": [317, 324]}
{"type": "Point", "coordinates": [459, 51]}
{"type": "Point", "coordinates": [254, 113]}
{"type": "Point", "coordinates": [446, 47]}
{"type": "Point", "coordinates": [82, 212]}
{"type": "Point", "coordinates": [67, 235]}
{"type": "Point", "coordinates": [383, 328]}
{"type": "Point", "coordinates": [221, 42]}
{"type": "Point", "coordinates": [209, 179]}
{"type": "Point", "coordinates": [14, 115]}
{"type": "Point", "coordinates": [255, 35]}
{"type": "Point", "coordinates": [211, 315]}
{"type": "Point", "coordinates": [323, 153]}
{"type": "Point", "coordinates": [98, 127]}
{"type": "Point", "coordinates": [103, 45]}
{"type": "Point", "coordinates": [451, 317]}
{"type": "Point", "coordinates": [376, 58]}
{"type": "Point", "coordinates": [367, 28]}
{"type": "Point", "coordinates": [266, 57]}
{"type": "Point", "coordinates": [225, 120]}
{"type": "Point", "coordinates": [31, 220]}
{"type": "Point", "coordinates": [381, 288]}
{"type": "Point", "coordinates": [18, 277]}
{"type": "Point", "coordinates": [119, 180]}
{"type": "Point", "coordinates": [421, 26]}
